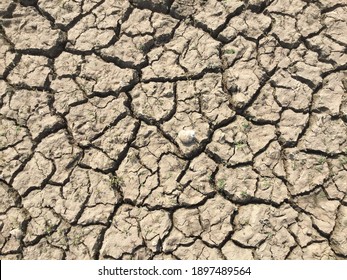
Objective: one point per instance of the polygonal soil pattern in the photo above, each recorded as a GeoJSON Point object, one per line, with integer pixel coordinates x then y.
{"type": "Point", "coordinates": [171, 129]}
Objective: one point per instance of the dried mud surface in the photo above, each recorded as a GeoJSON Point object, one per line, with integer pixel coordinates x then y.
{"type": "Point", "coordinates": [165, 129]}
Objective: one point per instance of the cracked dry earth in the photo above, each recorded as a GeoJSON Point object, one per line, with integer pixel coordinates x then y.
{"type": "Point", "coordinates": [166, 129]}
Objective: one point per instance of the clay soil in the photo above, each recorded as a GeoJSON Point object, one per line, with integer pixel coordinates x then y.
{"type": "Point", "coordinates": [173, 129]}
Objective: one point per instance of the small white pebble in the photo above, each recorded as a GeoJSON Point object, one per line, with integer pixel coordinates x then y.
{"type": "Point", "coordinates": [17, 233]}
{"type": "Point", "coordinates": [187, 137]}
{"type": "Point", "coordinates": [84, 143]}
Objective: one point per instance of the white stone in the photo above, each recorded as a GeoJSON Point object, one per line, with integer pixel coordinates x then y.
{"type": "Point", "coordinates": [187, 137]}
{"type": "Point", "coordinates": [17, 233]}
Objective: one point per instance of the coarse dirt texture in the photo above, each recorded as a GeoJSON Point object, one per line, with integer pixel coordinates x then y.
{"type": "Point", "coordinates": [173, 129]}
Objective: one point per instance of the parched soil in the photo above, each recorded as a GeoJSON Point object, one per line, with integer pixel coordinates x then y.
{"type": "Point", "coordinates": [173, 129]}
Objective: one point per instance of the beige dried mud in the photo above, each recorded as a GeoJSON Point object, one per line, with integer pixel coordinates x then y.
{"type": "Point", "coordinates": [173, 129]}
